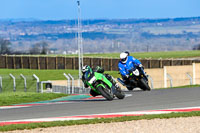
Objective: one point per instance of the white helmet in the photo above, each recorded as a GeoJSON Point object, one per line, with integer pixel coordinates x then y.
{"type": "Point", "coordinates": [85, 68]}
{"type": "Point", "coordinates": [123, 57]}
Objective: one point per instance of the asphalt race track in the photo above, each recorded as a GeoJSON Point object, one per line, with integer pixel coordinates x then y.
{"type": "Point", "coordinates": [135, 101]}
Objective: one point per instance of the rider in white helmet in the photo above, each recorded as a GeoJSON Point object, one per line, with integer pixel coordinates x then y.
{"type": "Point", "coordinates": [126, 63]}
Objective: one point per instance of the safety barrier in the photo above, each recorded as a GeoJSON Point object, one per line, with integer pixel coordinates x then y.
{"type": "Point", "coordinates": [109, 64]}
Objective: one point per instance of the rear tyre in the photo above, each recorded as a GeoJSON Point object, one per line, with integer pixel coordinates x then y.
{"type": "Point", "coordinates": [105, 92]}
{"type": "Point", "coordinates": [130, 88]}
{"type": "Point", "coordinates": [144, 86]}
{"type": "Point", "coordinates": [120, 94]}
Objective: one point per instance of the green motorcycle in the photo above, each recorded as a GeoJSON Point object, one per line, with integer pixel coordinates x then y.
{"type": "Point", "coordinates": [102, 86]}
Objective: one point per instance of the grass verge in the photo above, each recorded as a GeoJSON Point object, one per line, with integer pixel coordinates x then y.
{"type": "Point", "coordinates": [42, 74]}
{"type": "Point", "coordinates": [22, 97]}
{"type": "Point", "coordinates": [95, 121]}
{"type": "Point", "coordinates": [186, 86]}
{"type": "Point", "coordinates": [142, 55]}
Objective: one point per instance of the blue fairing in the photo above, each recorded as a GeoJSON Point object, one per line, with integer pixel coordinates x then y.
{"type": "Point", "coordinates": [131, 63]}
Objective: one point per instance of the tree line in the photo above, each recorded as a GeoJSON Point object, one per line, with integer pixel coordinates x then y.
{"type": "Point", "coordinates": [6, 47]}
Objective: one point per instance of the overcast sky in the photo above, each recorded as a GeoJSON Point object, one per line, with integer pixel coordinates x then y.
{"type": "Point", "coordinates": [98, 9]}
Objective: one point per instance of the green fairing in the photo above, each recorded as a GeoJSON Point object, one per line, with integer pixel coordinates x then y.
{"type": "Point", "coordinates": [100, 77]}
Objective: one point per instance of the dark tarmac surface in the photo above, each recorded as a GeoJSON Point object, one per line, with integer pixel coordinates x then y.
{"type": "Point", "coordinates": [136, 101]}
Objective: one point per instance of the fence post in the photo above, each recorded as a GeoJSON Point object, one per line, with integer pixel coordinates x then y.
{"type": "Point", "coordinates": [14, 83]}
{"type": "Point", "coordinates": [56, 60]}
{"type": "Point", "coordinates": [101, 62]}
{"type": "Point", "coordinates": [72, 83]}
{"type": "Point", "coordinates": [74, 63]}
{"type": "Point", "coordinates": [68, 82]}
{"type": "Point", "coordinates": [111, 64]}
{"type": "Point", "coordinates": [14, 65]}
{"type": "Point", "coordinates": [25, 88]}
{"type": "Point", "coordinates": [7, 61]}
{"type": "Point", "coordinates": [64, 62]}
{"type": "Point", "coordinates": [165, 77]}
{"type": "Point", "coordinates": [91, 62]}
{"type": "Point", "coordinates": [1, 84]}
{"type": "Point", "coordinates": [190, 77]}
{"type": "Point", "coordinates": [151, 80]}
{"type": "Point", "coordinates": [22, 65]}
{"type": "Point", "coordinates": [38, 83]}
{"type": "Point", "coordinates": [160, 62]}
{"type": "Point", "coordinates": [47, 63]}
{"type": "Point", "coordinates": [171, 80]}
{"type": "Point", "coordinates": [194, 73]}
{"type": "Point", "coordinates": [29, 61]}
{"type": "Point", "coordinates": [38, 62]}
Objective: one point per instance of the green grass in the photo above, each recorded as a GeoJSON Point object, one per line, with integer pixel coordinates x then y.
{"type": "Point", "coordinates": [46, 74]}
{"type": "Point", "coordinates": [186, 86]}
{"type": "Point", "coordinates": [43, 75]}
{"type": "Point", "coordinates": [143, 55]}
{"type": "Point", "coordinates": [94, 121]}
{"type": "Point", "coordinates": [153, 55]}
{"type": "Point", "coordinates": [22, 97]}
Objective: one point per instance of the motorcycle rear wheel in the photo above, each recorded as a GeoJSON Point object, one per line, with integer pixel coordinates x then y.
{"type": "Point", "coordinates": [130, 88]}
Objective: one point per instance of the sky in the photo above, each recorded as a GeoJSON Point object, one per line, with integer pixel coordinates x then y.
{"type": "Point", "coordinates": [98, 9]}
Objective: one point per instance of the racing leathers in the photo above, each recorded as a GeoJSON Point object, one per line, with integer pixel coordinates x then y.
{"type": "Point", "coordinates": [125, 67]}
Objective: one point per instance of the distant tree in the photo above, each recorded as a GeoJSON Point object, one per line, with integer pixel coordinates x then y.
{"type": "Point", "coordinates": [44, 46]}
{"type": "Point", "coordinates": [35, 49]}
{"type": "Point", "coordinates": [5, 46]}
{"type": "Point", "coordinates": [39, 48]}
{"type": "Point", "coordinates": [196, 47]}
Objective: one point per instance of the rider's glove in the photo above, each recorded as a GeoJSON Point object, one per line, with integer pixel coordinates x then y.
{"type": "Point", "coordinates": [127, 76]}
{"type": "Point", "coordinates": [141, 66]}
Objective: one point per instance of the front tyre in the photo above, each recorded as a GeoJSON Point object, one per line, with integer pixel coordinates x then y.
{"type": "Point", "coordinates": [105, 92]}
{"type": "Point", "coordinates": [144, 86]}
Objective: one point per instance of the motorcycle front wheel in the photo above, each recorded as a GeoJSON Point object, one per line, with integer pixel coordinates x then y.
{"type": "Point", "coordinates": [105, 92]}
{"type": "Point", "coordinates": [144, 86]}
{"type": "Point", "coordinates": [120, 94]}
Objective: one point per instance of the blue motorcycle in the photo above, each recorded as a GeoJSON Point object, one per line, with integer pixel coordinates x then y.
{"type": "Point", "coordinates": [137, 78]}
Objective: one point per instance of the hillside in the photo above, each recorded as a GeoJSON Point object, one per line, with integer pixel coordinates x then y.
{"type": "Point", "coordinates": [115, 35]}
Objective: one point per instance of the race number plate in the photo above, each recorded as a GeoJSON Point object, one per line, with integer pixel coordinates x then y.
{"type": "Point", "coordinates": [92, 80]}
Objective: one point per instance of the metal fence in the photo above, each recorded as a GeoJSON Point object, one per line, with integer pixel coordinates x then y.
{"type": "Point", "coordinates": [31, 83]}
{"type": "Point", "coordinates": [72, 85]}
{"type": "Point", "coordinates": [17, 83]}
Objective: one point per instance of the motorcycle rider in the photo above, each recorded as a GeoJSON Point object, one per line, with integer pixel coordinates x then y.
{"type": "Point", "coordinates": [126, 63]}
{"type": "Point", "coordinates": [99, 70]}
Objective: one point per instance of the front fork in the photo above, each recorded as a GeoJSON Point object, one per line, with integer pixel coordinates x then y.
{"type": "Point", "coordinates": [145, 76]}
